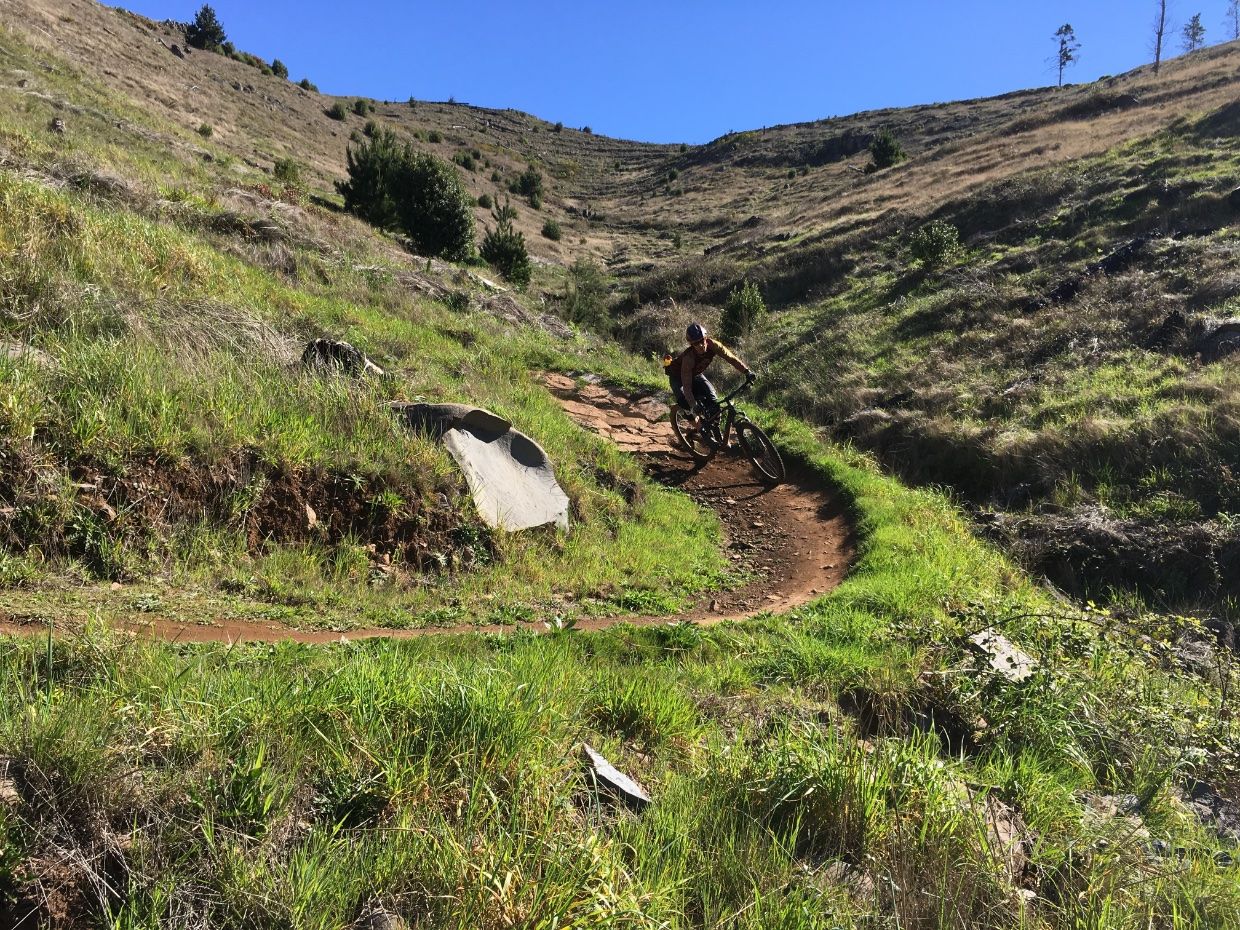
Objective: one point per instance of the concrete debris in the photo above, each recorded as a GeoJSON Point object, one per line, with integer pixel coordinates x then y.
{"type": "Point", "coordinates": [331, 354]}
{"type": "Point", "coordinates": [1218, 339]}
{"type": "Point", "coordinates": [1004, 656]}
{"type": "Point", "coordinates": [609, 780]}
{"type": "Point", "coordinates": [510, 476]}
{"type": "Point", "coordinates": [1213, 810]}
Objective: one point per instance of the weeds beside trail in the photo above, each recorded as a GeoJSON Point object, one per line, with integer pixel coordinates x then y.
{"type": "Point", "coordinates": [843, 766]}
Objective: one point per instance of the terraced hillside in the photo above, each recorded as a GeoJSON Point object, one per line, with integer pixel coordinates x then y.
{"type": "Point", "coordinates": [904, 729]}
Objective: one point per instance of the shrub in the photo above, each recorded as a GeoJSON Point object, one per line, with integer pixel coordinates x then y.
{"type": "Point", "coordinates": [504, 249]}
{"type": "Point", "coordinates": [362, 107]}
{"type": "Point", "coordinates": [288, 171]}
{"type": "Point", "coordinates": [496, 177]}
{"type": "Point", "coordinates": [205, 31]}
{"type": "Point", "coordinates": [529, 184]}
{"type": "Point", "coordinates": [413, 103]}
{"type": "Point", "coordinates": [279, 69]}
{"type": "Point", "coordinates": [337, 111]}
{"type": "Point", "coordinates": [885, 151]}
{"type": "Point", "coordinates": [558, 127]}
{"type": "Point", "coordinates": [205, 130]}
{"type": "Point", "coordinates": [742, 309]}
{"type": "Point", "coordinates": [684, 147]}
{"type": "Point", "coordinates": [392, 186]}
{"type": "Point", "coordinates": [934, 243]}
{"type": "Point", "coordinates": [465, 160]}
{"type": "Point", "coordinates": [307, 84]}
{"type": "Point", "coordinates": [587, 130]}
{"type": "Point", "coordinates": [370, 128]}
{"type": "Point", "coordinates": [485, 201]}
{"type": "Point", "coordinates": [585, 296]}
{"type": "Point", "coordinates": [434, 136]}
{"type": "Point", "coordinates": [551, 229]}
{"type": "Point", "coordinates": [673, 174]}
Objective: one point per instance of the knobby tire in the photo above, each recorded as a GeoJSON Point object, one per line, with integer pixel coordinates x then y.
{"type": "Point", "coordinates": [759, 449]}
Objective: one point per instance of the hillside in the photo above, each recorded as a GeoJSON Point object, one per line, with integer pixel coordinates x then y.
{"type": "Point", "coordinates": [264, 664]}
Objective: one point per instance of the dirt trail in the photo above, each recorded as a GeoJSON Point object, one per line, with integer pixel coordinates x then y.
{"type": "Point", "coordinates": [793, 540]}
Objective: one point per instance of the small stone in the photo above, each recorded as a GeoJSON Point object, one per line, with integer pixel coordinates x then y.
{"type": "Point", "coordinates": [116, 586]}
{"type": "Point", "coordinates": [757, 524]}
{"type": "Point", "coordinates": [312, 518]}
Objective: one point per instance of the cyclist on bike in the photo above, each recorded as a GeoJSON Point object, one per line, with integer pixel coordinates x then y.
{"type": "Point", "coordinates": [686, 371]}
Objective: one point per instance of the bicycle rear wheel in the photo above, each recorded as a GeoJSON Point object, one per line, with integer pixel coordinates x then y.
{"type": "Point", "coordinates": [690, 436]}
{"type": "Point", "coordinates": [759, 449]}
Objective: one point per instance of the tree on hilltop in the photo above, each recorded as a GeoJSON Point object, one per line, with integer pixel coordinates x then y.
{"type": "Point", "coordinates": [1160, 30]}
{"type": "Point", "coordinates": [1068, 47]}
{"type": "Point", "coordinates": [1194, 34]}
{"type": "Point", "coordinates": [1233, 17]}
{"type": "Point", "coordinates": [205, 31]}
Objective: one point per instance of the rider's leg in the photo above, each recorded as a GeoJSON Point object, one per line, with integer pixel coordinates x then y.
{"type": "Point", "coordinates": [704, 393]}
{"type": "Point", "coordinates": [678, 391]}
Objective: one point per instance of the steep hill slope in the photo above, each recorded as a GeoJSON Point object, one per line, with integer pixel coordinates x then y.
{"type": "Point", "coordinates": [938, 742]}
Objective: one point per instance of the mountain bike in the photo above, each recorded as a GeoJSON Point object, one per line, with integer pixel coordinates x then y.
{"type": "Point", "coordinates": [704, 439]}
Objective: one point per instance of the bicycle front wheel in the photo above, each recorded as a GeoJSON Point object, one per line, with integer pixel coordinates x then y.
{"type": "Point", "coordinates": [690, 436]}
{"type": "Point", "coordinates": [759, 449]}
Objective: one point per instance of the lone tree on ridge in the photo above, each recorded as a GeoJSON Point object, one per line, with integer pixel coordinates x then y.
{"type": "Point", "coordinates": [205, 31]}
{"type": "Point", "coordinates": [1160, 30]}
{"type": "Point", "coordinates": [1068, 47]}
{"type": "Point", "coordinates": [1194, 34]}
{"type": "Point", "coordinates": [1233, 17]}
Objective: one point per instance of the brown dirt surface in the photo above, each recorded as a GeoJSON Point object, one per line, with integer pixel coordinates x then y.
{"type": "Point", "coordinates": [792, 541]}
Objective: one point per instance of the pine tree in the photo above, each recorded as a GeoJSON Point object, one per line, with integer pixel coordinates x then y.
{"type": "Point", "coordinates": [504, 248]}
{"type": "Point", "coordinates": [1068, 47]}
{"type": "Point", "coordinates": [1233, 17]}
{"type": "Point", "coordinates": [205, 31]}
{"type": "Point", "coordinates": [1194, 34]}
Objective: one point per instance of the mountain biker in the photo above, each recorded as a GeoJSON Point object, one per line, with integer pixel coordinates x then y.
{"type": "Point", "coordinates": [686, 371]}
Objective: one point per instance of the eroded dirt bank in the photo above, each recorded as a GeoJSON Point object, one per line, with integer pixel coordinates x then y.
{"type": "Point", "coordinates": [792, 541]}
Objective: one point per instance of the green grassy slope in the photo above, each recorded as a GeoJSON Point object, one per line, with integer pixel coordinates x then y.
{"type": "Point", "coordinates": [844, 766]}
{"type": "Point", "coordinates": [850, 764]}
{"type": "Point", "coordinates": [162, 428]}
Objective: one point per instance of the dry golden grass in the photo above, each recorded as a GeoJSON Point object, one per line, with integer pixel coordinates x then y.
{"type": "Point", "coordinates": [955, 148]}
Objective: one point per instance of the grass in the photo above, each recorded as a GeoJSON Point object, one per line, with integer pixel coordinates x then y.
{"type": "Point", "coordinates": [294, 785]}
{"type": "Point", "coordinates": [849, 764]}
{"type": "Point", "coordinates": [171, 360]}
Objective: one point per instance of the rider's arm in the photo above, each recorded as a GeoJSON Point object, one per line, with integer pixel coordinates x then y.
{"type": "Point", "coordinates": [732, 358]}
{"type": "Point", "coordinates": [686, 380]}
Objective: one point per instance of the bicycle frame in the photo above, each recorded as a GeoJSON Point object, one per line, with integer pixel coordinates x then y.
{"type": "Point", "coordinates": [728, 409]}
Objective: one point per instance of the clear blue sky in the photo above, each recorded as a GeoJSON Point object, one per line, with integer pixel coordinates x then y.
{"type": "Point", "coordinates": [689, 70]}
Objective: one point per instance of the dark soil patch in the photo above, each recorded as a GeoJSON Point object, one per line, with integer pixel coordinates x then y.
{"type": "Point", "coordinates": [140, 504]}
